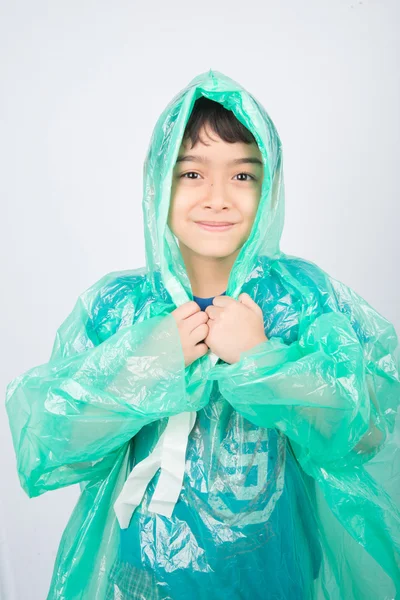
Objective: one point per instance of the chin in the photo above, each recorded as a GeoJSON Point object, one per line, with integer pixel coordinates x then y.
{"type": "Point", "coordinates": [210, 252]}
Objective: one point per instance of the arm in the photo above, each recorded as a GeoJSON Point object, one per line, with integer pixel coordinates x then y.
{"type": "Point", "coordinates": [69, 417]}
{"type": "Point", "coordinates": [334, 392]}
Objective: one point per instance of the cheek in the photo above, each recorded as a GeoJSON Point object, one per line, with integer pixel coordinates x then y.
{"type": "Point", "coordinates": [250, 211]}
{"type": "Point", "coordinates": [255, 204]}
{"type": "Point", "coordinates": [181, 207]}
{"type": "Point", "coordinates": [178, 217]}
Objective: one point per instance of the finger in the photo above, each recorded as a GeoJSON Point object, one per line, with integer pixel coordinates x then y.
{"type": "Point", "coordinates": [201, 350]}
{"type": "Point", "coordinates": [223, 300]}
{"type": "Point", "coordinates": [187, 309]}
{"type": "Point", "coordinates": [213, 311]}
{"type": "Point", "coordinates": [199, 334]}
{"type": "Point", "coordinates": [195, 320]}
{"type": "Point", "coordinates": [248, 301]}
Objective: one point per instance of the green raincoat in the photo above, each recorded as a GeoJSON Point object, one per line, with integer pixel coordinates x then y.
{"type": "Point", "coordinates": [290, 480]}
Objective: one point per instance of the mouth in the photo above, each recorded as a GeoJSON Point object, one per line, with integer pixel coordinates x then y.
{"type": "Point", "coordinates": [214, 226]}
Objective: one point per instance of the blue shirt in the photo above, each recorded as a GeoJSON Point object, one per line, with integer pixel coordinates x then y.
{"type": "Point", "coordinates": [280, 558]}
{"type": "Point", "coordinates": [204, 302]}
{"type": "Point", "coordinates": [282, 516]}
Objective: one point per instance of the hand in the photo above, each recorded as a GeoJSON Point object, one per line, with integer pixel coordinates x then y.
{"type": "Point", "coordinates": [193, 328]}
{"type": "Point", "coordinates": [234, 326]}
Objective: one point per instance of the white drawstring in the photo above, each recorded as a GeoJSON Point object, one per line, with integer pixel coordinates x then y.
{"type": "Point", "coordinates": [173, 461]}
{"type": "Point", "coordinates": [169, 454]}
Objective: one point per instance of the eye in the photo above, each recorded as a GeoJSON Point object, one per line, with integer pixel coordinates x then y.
{"type": "Point", "coordinates": [190, 173]}
{"type": "Point", "coordinates": [246, 175]}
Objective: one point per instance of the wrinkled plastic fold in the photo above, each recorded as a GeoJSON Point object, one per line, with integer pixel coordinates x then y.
{"type": "Point", "coordinates": [314, 390]}
{"type": "Point", "coordinates": [75, 412]}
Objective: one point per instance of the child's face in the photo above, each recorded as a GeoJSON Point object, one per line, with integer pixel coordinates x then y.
{"type": "Point", "coordinates": [209, 186]}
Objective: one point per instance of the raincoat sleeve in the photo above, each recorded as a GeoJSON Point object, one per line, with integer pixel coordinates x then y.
{"type": "Point", "coordinates": [334, 392]}
{"type": "Point", "coordinates": [69, 417]}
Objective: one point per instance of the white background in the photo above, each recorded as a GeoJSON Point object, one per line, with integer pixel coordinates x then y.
{"type": "Point", "coordinates": [82, 84]}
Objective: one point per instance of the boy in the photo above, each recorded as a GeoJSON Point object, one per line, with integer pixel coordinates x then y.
{"type": "Point", "coordinates": [226, 409]}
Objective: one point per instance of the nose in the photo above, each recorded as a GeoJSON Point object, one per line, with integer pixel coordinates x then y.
{"type": "Point", "coordinates": [216, 196]}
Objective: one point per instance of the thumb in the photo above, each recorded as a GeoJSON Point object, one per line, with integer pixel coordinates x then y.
{"type": "Point", "coordinates": [248, 301]}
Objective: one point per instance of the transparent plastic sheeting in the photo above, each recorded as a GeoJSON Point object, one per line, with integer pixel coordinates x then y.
{"type": "Point", "coordinates": [291, 483]}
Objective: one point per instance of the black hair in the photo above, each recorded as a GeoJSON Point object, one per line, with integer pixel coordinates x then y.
{"type": "Point", "coordinates": [220, 120]}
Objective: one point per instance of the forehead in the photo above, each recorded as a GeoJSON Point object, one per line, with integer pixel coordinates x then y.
{"type": "Point", "coordinates": [211, 148]}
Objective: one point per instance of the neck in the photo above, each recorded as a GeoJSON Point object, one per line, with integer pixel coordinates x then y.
{"type": "Point", "coordinates": [208, 275]}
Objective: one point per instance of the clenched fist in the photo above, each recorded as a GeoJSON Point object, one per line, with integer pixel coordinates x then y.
{"type": "Point", "coordinates": [234, 326]}
{"type": "Point", "coordinates": [193, 329]}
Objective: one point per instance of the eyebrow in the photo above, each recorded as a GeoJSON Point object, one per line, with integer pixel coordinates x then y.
{"type": "Point", "coordinates": [237, 161]}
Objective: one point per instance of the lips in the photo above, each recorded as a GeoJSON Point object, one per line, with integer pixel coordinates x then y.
{"type": "Point", "coordinates": [215, 226]}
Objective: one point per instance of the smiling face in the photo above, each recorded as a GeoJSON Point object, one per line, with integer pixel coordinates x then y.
{"type": "Point", "coordinates": [216, 182]}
